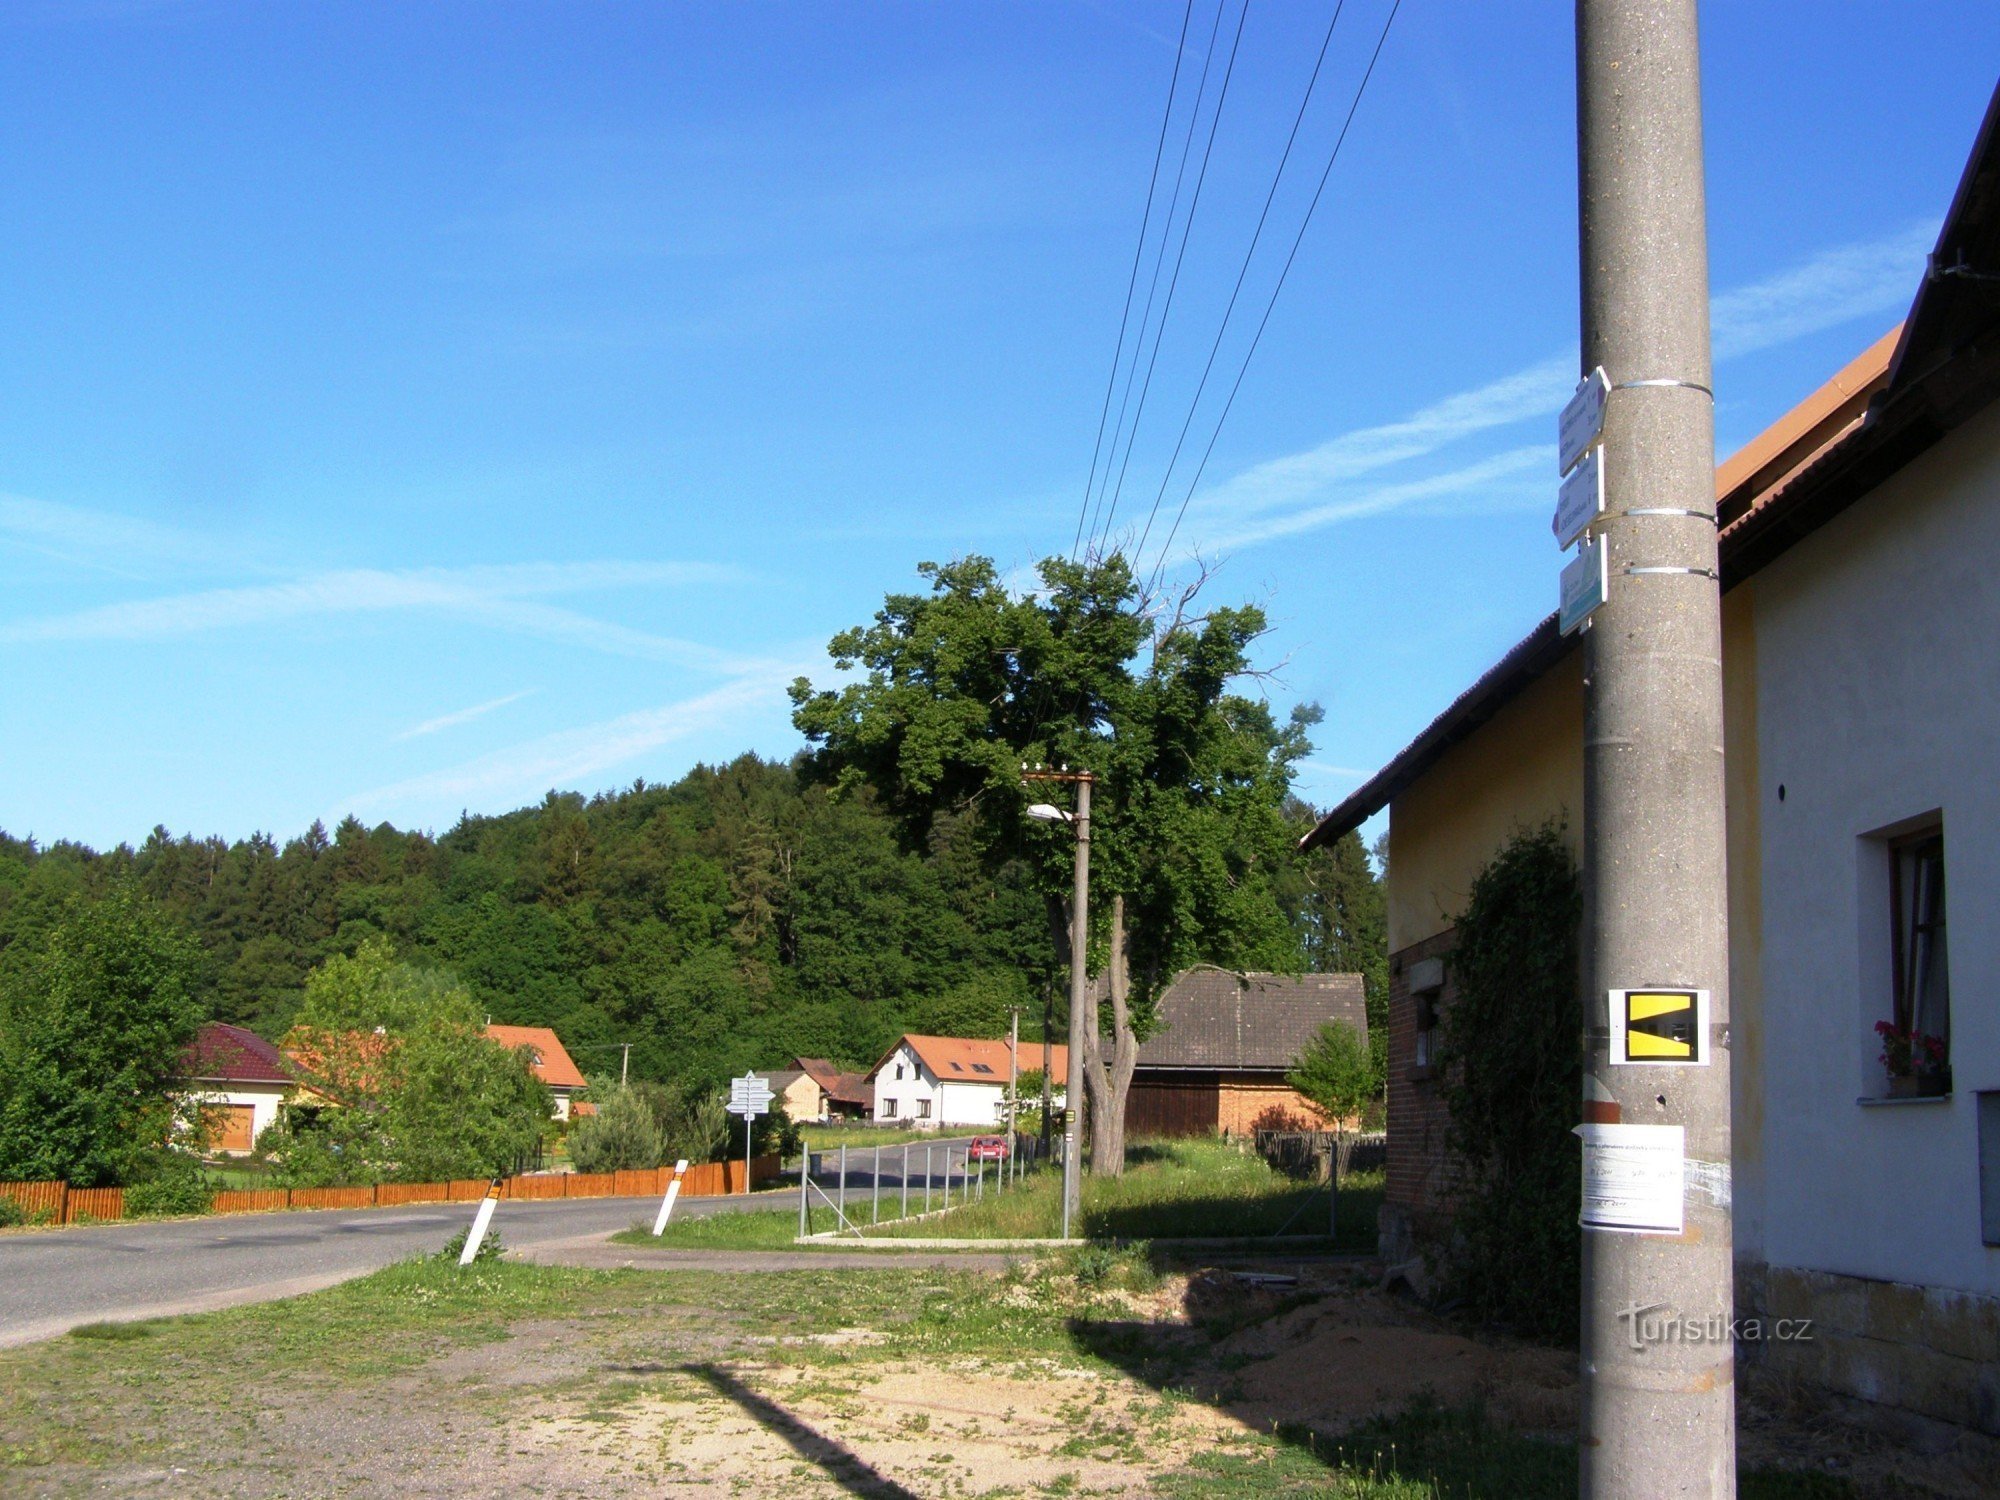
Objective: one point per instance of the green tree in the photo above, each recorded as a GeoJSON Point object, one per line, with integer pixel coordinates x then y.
{"type": "Point", "coordinates": [961, 685]}
{"type": "Point", "coordinates": [91, 1033]}
{"type": "Point", "coordinates": [1335, 1073]}
{"type": "Point", "coordinates": [623, 1135]}
{"type": "Point", "coordinates": [402, 1082]}
{"type": "Point", "coordinates": [1336, 905]}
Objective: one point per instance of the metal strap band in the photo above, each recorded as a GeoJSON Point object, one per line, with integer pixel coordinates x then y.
{"type": "Point", "coordinates": [1701, 572]}
{"type": "Point", "coordinates": [1668, 510]}
{"type": "Point", "coordinates": [1691, 385]}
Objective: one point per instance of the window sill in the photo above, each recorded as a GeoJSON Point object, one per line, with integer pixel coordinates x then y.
{"type": "Point", "coordinates": [1883, 1102]}
{"type": "Point", "coordinates": [1422, 1073]}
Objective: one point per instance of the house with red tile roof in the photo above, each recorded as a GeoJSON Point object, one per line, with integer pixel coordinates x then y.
{"type": "Point", "coordinates": [549, 1061]}
{"type": "Point", "coordinates": [239, 1080]}
{"type": "Point", "coordinates": [948, 1080]}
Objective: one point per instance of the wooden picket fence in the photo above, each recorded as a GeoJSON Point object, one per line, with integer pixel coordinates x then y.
{"type": "Point", "coordinates": [59, 1203]}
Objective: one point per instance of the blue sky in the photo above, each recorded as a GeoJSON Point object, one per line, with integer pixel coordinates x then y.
{"type": "Point", "coordinates": [407, 409]}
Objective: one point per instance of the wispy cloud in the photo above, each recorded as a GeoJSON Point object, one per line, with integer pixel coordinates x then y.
{"type": "Point", "coordinates": [123, 546]}
{"type": "Point", "coordinates": [461, 716]}
{"type": "Point", "coordinates": [1875, 278]}
{"type": "Point", "coordinates": [1323, 486]}
{"type": "Point", "coordinates": [570, 756]}
{"type": "Point", "coordinates": [509, 597]}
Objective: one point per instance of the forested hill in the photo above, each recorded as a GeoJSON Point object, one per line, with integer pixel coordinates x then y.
{"type": "Point", "coordinates": [731, 920]}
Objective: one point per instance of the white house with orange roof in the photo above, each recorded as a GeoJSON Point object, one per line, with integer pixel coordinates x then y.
{"type": "Point", "coordinates": [550, 1062]}
{"type": "Point", "coordinates": [949, 1080]}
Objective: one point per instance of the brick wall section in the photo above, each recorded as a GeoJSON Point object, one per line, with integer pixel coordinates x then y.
{"type": "Point", "coordinates": [1424, 1180]}
{"type": "Point", "coordinates": [1253, 1101]}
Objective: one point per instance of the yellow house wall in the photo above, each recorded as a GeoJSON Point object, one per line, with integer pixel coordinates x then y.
{"type": "Point", "coordinates": [1519, 769]}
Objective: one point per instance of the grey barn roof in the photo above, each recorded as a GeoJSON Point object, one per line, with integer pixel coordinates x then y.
{"type": "Point", "coordinates": [1211, 1018]}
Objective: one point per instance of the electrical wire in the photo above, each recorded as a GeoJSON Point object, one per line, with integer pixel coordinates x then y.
{"type": "Point", "coordinates": [1180, 256]}
{"type": "Point", "coordinates": [1242, 275]}
{"type": "Point", "coordinates": [1132, 281]}
{"type": "Point", "coordinates": [1153, 285]}
{"type": "Point", "coordinates": [1375, 57]}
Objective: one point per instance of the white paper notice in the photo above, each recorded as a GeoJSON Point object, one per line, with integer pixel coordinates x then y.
{"type": "Point", "coordinates": [1632, 1177]}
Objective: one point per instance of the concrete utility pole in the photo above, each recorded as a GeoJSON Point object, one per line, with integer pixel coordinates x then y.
{"type": "Point", "coordinates": [1079, 979]}
{"type": "Point", "coordinates": [1658, 1415]}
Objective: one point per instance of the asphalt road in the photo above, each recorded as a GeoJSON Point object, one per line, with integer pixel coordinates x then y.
{"type": "Point", "coordinates": [53, 1280]}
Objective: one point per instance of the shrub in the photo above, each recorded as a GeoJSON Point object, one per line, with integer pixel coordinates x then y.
{"type": "Point", "coordinates": [621, 1136]}
{"type": "Point", "coordinates": [171, 1183]}
{"type": "Point", "coordinates": [11, 1214]}
{"type": "Point", "coordinates": [1510, 1050]}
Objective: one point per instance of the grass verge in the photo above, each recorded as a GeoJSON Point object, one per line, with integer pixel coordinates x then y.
{"type": "Point", "coordinates": [391, 1365]}
{"type": "Point", "coordinates": [1189, 1189]}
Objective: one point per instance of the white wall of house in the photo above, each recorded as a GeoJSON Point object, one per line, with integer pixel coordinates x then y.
{"type": "Point", "coordinates": [1878, 703]}
{"type": "Point", "coordinates": [262, 1100]}
{"type": "Point", "coordinates": [920, 1096]}
{"type": "Point", "coordinates": [905, 1088]}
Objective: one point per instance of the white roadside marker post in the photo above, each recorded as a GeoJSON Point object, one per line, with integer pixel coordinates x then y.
{"type": "Point", "coordinates": [481, 1222]}
{"type": "Point", "coordinates": [667, 1204]}
{"type": "Point", "coordinates": [906, 1179]}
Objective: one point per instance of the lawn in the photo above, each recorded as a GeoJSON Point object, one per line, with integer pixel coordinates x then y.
{"type": "Point", "coordinates": [1171, 1190]}
{"type": "Point", "coordinates": [863, 1135]}
{"type": "Point", "coordinates": [1183, 1189]}
{"type": "Point", "coordinates": [1089, 1371]}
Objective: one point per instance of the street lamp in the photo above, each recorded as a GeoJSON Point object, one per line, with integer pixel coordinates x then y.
{"type": "Point", "coordinates": [1079, 938]}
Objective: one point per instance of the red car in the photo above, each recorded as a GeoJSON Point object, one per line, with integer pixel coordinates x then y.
{"type": "Point", "coordinates": [987, 1148]}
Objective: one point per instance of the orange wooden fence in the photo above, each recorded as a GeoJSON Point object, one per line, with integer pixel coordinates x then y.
{"type": "Point", "coordinates": [59, 1203]}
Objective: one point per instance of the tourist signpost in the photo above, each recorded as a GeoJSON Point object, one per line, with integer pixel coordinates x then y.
{"type": "Point", "coordinates": [749, 1096]}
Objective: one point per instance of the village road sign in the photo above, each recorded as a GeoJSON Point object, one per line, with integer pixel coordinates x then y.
{"type": "Point", "coordinates": [1585, 581]}
{"type": "Point", "coordinates": [749, 1096]}
{"type": "Point", "coordinates": [1663, 1026]}
{"type": "Point", "coordinates": [1583, 418]}
{"type": "Point", "coordinates": [1581, 498]}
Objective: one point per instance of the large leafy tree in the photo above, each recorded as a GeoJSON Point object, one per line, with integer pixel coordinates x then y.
{"type": "Point", "coordinates": [956, 687]}
{"type": "Point", "coordinates": [92, 1025]}
{"type": "Point", "coordinates": [400, 1081]}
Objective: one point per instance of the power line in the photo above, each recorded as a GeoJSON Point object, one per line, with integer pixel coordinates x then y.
{"type": "Point", "coordinates": [1166, 232]}
{"type": "Point", "coordinates": [1180, 255]}
{"type": "Point", "coordinates": [1242, 274]}
{"type": "Point", "coordinates": [1264, 322]}
{"type": "Point", "coordinates": [1132, 281]}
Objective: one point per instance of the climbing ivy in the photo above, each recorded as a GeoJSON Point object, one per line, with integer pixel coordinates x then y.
{"type": "Point", "coordinates": [1510, 1048]}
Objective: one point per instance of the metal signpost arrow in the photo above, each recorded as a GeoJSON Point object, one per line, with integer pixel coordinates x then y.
{"type": "Point", "coordinates": [749, 1096]}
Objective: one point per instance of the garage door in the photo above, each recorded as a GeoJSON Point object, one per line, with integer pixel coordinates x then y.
{"type": "Point", "coordinates": [232, 1127]}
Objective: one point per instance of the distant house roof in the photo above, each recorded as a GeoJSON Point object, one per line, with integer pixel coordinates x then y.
{"type": "Point", "coordinates": [550, 1062]}
{"type": "Point", "coordinates": [841, 1088]}
{"type": "Point", "coordinates": [1212, 1018]}
{"type": "Point", "coordinates": [780, 1079]}
{"type": "Point", "coordinates": [1891, 403]}
{"type": "Point", "coordinates": [821, 1071]}
{"type": "Point", "coordinates": [229, 1054]}
{"type": "Point", "coordinates": [955, 1059]}
{"type": "Point", "coordinates": [851, 1088]}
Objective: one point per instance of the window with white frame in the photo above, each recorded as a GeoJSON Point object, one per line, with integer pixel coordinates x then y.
{"type": "Point", "coordinates": [888, 1110]}
{"type": "Point", "coordinates": [923, 1109]}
